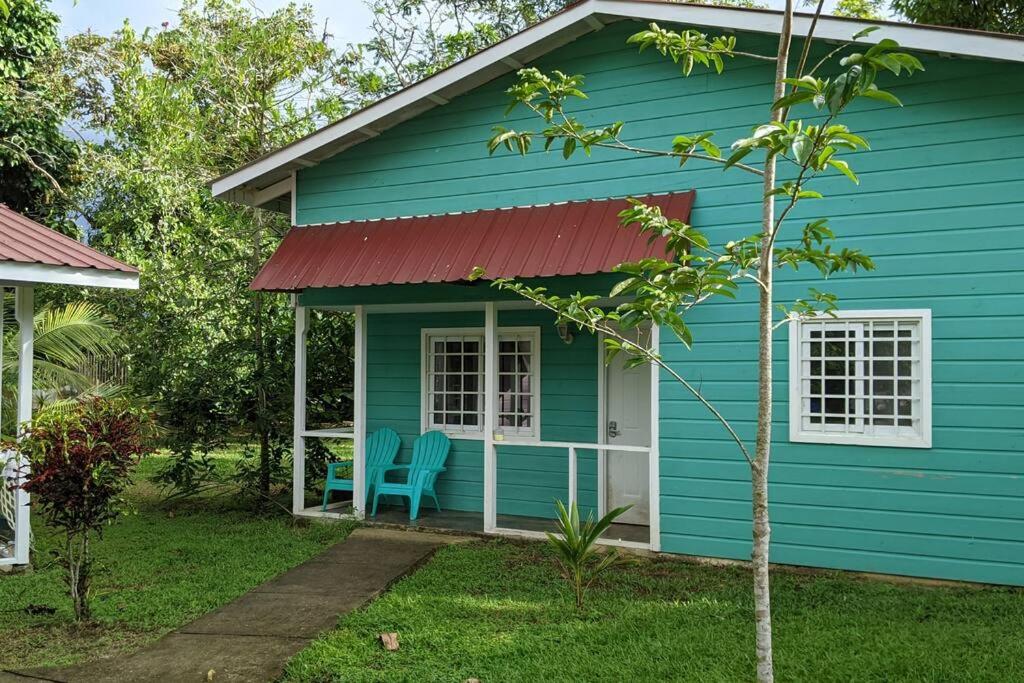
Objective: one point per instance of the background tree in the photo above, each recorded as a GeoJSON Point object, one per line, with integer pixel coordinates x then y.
{"type": "Point", "coordinates": [1005, 16]}
{"type": "Point", "coordinates": [859, 9]}
{"type": "Point", "coordinates": [172, 109]}
{"type": "Point", "coordinates": [788, 156]}
{"type": "Point", "coordinates": [35, 155]}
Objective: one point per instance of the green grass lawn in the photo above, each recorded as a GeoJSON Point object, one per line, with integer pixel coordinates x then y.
{"type": "Point", "coordinates": [498, 611]}
{"type": "Point", "coordinates": [159, 568]}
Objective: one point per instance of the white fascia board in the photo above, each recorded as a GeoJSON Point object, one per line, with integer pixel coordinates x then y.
{"type": "Point", "coordinates": [14, 274]}
{"type": "Point", "coordinates": [572, 23]}
{"type": "Point", "coordinates": [909, 36]}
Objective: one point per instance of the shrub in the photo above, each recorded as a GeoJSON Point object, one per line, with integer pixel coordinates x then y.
{"type": "Point", "coordinates": [80, 463]}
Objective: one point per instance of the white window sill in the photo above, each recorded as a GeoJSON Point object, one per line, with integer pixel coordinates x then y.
{"type": "Point", "coordinates": [459, 436]}
{"type": "Point", "coordinates": [882, 440]}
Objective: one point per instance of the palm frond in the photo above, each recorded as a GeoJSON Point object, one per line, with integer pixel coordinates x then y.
{"type": "Point", "coordinates": [70, 334]}
{"type": "Point", "coordinates": [61, 404]}
{"type": "Point", "coordinates": [65, 337]}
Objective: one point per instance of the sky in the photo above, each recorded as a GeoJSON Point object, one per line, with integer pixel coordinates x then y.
{"type": "Point", "coordinates": [347, 20]}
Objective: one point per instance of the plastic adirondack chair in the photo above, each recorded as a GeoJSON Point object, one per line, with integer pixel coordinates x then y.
{"type": "Point", "coordinates": [381, 450]}
{"type": "Point", "coordinates": [429, 453]}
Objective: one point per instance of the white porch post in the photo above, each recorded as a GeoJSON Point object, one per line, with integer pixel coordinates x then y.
{"type": "Point", "coordinates": [490, 410]}
{"type": "Point", "coordinates": [299, 447]}
{"type": "Point", "coordinates": [572, 475]}
{"type": "Point", "coordinates": [602, 428]}
{"type": "Point", "coordinates": [654, 483]}
{"type": "Point", "coordinates": [23, 305]}
{"type": "Point", "coordinates": [359, 417]}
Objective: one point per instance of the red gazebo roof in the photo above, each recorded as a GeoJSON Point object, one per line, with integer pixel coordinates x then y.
{"type": "Point", "coordinates": [22, 240]}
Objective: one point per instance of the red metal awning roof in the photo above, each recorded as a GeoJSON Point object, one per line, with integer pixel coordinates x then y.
{"type": "Point", "coordinates": [575, 238]}
{"type": "Point", "coordinates": [22, 240]}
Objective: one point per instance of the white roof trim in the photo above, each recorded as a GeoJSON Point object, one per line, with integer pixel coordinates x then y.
{"type": "Point", "coordinates": [560, 29]}
{"type": "Point", "coordinates": [911, 36]}
{"type": "Point", "coordinates": [39, 273]}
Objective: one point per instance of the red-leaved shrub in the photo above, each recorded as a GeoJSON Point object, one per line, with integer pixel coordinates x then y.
{"type": "Point", "coordinates": [80, 463]}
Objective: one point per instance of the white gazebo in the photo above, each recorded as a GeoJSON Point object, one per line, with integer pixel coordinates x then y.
{"type": "Point", "coordinates": [32, 254]}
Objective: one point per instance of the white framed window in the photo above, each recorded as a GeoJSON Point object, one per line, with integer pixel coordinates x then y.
{"type": "Point", "coordinates": [518, 382]}
{"type": "Point", "coordinates": [453, 381]}
{"type": "Point", "coordinates": [861, 377]}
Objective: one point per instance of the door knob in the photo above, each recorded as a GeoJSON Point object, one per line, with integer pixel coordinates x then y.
{"type": "Point", "coordinates": [613, 429]}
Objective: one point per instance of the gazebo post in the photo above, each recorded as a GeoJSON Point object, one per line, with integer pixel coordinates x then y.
{"type": "Point", "coordinates": [299, 451]}
{"type": "Point", "coordinates": [23, 313]}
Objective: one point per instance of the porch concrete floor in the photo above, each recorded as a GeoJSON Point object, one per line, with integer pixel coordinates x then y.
{"type": "Point", "coordinates": [252, 638]}
{"type": "Point", "coordinates": [473, 522]}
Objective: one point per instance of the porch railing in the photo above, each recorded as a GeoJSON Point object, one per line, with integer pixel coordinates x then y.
{"type": "Point", "coordinates": [573, 466]}
{"type": "Point", "coordinates": [573, 447]}
{"type": "Point", "coordinates": [339, 433]}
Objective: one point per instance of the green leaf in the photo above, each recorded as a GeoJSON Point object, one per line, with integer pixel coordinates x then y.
{"type": "Point", "coordinates": [860, 34]}
{"type": "Point", "coordinates": [620, 287]}
{"type": "Point", "coordinates": [793, 98]}
{"type": "Point", "coordinates": [711, 149]}
{"type": "Point", "coordinates": [737, 156]}
{"type": "Point", "coordinates": [802, 148]}
{"type": "Point", "coordinates": [844, 168]}
{"type": "Point", "coordinates": [568, 148]}
{"type": "Point", "coordinates": [875, 94]}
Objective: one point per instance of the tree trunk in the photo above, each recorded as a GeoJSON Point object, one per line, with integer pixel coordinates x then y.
{"type": "Point", "coordinates": [762, 449]}
{"type": "Point", "coordinates": [77, 550]}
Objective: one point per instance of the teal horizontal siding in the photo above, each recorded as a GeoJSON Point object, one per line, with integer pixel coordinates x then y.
{"type": "Point", "coordinates": [939, 208]}
{"type": "Point", "coordinates": [530, 479]}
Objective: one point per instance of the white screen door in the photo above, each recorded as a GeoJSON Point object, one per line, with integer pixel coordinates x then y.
{"type": "Point", "coordinates": [628, 424]}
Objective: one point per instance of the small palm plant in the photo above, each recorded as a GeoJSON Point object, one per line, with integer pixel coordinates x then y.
{"type": "Point", "coordinates": [575, 544]}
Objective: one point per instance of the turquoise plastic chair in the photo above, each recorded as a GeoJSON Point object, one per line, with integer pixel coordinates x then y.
{"type": "Point", "coordinates": [429, 453]}
{"type": "Point", "coordinates": [381, 450]}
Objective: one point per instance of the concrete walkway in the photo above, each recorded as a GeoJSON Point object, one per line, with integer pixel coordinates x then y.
{"type": "Point", "coordinates": [252, 638]}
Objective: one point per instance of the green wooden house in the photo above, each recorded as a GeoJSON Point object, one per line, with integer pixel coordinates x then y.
{"type": "Point", "coordinates": [915, 468]}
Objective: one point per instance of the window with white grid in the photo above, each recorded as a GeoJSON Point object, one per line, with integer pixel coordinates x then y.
{"type": "Point", "coordinates": [517, 383]}
{"type": "Point", "coordinates": [863, 377]}
{"type": "Point", "coordinates": [455, 382]}
{"type": "Point", "coordinates": [453, 392]}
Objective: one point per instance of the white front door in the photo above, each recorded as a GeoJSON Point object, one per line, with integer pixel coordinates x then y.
{"type": "Point", "coordinates": [629, 424]}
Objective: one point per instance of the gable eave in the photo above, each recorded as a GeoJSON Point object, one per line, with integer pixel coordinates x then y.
{"type": "Point", "coordinates": [250, 183]}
